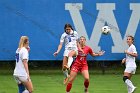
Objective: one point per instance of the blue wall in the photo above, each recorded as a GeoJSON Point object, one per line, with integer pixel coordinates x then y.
{"type": "Point", "coordinates": [43, 22]}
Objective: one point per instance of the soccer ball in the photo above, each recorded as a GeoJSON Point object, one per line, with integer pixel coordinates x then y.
{"type": "Point", "coordinates": [105, 30]}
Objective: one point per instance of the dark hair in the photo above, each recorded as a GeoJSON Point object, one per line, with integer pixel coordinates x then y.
{"type": "Point", "coordinates": [67, 25]}
{"type": "Point", "coordinates": [131, 37]}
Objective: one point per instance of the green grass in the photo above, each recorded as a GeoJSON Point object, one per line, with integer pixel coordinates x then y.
{"type": "Point", "coordinates": [51, 82]}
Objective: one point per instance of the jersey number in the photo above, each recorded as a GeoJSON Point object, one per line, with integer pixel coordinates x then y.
{"type": "Point", "coordinates": [69, 38]}
{"type": "Point", "coordinates": [17, 57]}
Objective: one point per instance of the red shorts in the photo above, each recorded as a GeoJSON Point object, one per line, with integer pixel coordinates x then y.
{"type": "Point", "coordinates": [79, 67]}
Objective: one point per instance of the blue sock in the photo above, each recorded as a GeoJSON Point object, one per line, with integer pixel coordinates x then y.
{"type": "Point", "coordinates": [21, 88]}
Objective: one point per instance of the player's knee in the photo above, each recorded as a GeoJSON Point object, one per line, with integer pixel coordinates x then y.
{"type": "Point", "coordinates": [64, 68]}
{"type": "Point", "coordinates": [125, 78]}
{"type": "Point", "coordinates": [87, 79]}
{"type": "Point", "coordinates": [30, 90]}
{"type": "Point", "coordinates": [70, 55]}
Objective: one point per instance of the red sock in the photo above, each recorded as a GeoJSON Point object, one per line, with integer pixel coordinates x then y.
{"type": "Point", "coordinates": [68, 88]}
{"type": "Point", "coordinates": [86, 83]}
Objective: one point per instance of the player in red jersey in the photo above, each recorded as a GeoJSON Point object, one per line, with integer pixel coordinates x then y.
{"type": "Point", "coordinates": [80, 65]}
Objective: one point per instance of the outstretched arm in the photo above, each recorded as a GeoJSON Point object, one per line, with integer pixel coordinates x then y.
{"type": "Point", "coordinates": [100, 53]}
{"type": "Point", "coordinates": [59, 48]}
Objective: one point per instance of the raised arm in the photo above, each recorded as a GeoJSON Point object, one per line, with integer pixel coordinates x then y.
{"type": "Point", "coordinates": [79, 47]}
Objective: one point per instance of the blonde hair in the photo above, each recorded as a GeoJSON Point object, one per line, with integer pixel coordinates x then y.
{"type": "Point", "coordinates": [83, 37]}
{"type": "Point", "coordinates": [23, 41]}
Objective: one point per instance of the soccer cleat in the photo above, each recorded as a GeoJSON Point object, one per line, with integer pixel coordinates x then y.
{"type": "Point", "coordinates": [66, 80]}
{"type": "Point", "coordinates": [86, 90]}
{"type": "Point", "coordinates": [133, 89]}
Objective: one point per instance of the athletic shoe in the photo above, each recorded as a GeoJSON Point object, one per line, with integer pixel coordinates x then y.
{"type": "Point", "coordinates": [133, 89]}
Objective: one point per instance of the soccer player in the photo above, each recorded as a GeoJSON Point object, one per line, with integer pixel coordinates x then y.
{"type": "Point", "coordinates": [21, 71]}
{"type": "Point", "coordinates": [70, 38]}
{"type": "Point", "coordinates": [129, 61]}
{"type": "Point", "coordinates": [80, 65]}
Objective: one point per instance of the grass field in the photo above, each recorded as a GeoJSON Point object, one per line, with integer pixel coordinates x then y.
{"type": "Point", "coordinates": [51, 82]}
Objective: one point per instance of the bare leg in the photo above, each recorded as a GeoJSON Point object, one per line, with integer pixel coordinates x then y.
{"type": "Point", "coordinates": [29, 86]}
{"type": "Point", "coordinates": [64, 69]}
{"type": "Point", "coordinates": [72, 78]}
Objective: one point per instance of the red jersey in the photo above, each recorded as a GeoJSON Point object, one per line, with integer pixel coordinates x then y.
{"type": "Point", "coordinates": [82, 57]}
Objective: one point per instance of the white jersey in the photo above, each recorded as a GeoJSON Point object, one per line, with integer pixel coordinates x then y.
{"type": "Point", "coordinates": [130, 60]}
{"type": "Point", "coordinates": [20, 55]}
{"type": "Point", "coordinates": [70, 40]}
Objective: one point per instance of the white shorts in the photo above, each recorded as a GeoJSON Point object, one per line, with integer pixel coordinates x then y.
{"type": "Point", "coordinates": [67, 51]}
{"type": "Point", "coordinates": [131, 70]}
{"type": "Point", "coordinates": [21, 79]}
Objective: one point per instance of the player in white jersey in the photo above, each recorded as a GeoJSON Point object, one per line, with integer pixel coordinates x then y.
{"type": "Point", "coordinates": [70, 38]}
{"type": "Point", "coordinates": [129, 61]}
{"type": "Point", "coordinates": [21, 71]}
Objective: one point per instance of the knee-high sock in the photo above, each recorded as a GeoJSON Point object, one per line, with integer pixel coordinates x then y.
{"type": "Point", "coordinates": [129, 83]}
{"type": "Point", "coordinates": [70, 60]}
{"type": "Point", "coordinates": [69, 86]}
{"type": "Point", "coordinates": [129, 89]}
{"type": "Point", "coordinates": [65, 72]}
{"type": "Point", "coordinates": [86, 83]}
{"type": "Point", "coordinates": [21, 88]}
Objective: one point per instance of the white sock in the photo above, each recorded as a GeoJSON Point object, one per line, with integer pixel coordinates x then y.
{"type": "Point", "coordinates": [129, 89]}
{"type": "Point", "coordinates": [129, 83]}
{"type": "Point", "coordinates": [70, 60]}
{"type": "Point", "coordinates": [65, 72]}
